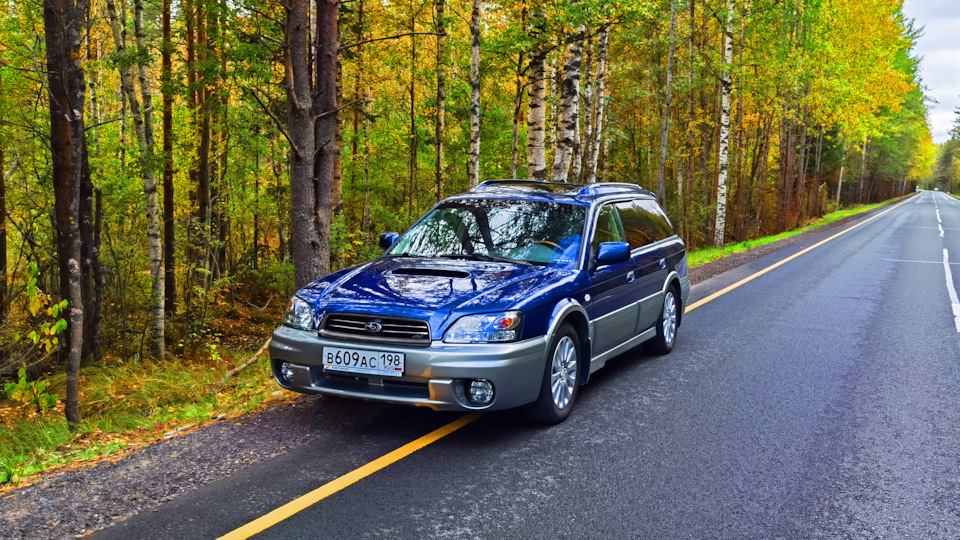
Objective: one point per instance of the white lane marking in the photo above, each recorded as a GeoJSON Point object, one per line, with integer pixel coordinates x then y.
{"type": "Point", "coordinates": [914, 261]}
{"type": "Point", "coordinates": [941, 231]}
{"type": "Point", "coordinates": [938, 216]}
{"type": "Point", "coordinates": [955, 303]}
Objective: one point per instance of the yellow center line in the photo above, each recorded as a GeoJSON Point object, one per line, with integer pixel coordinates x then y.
{"type": "Point", "coordinates": [276, 516]}
{"type": "Point", "coordinates": [747, 279]}
{"type": "Point", "coordinates": [262, 523]}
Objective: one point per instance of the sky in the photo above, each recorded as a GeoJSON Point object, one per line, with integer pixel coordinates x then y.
{"type": "Point", "coordinates": [940, 67]}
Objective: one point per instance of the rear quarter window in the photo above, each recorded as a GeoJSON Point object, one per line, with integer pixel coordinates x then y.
{"type": "Point", "coordinates": [659, 225]}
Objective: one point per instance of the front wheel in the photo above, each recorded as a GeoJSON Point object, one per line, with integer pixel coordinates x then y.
{"type": "Point", "coordinates": [666, 324]}
{"type": "Point", "coordinates": [561, 380]}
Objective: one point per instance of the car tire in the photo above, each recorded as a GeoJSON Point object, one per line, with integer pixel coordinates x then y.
{"type": "Point", "coordinates": [561, 379]}
{"type": "Point", "coordinates": [667, 323]}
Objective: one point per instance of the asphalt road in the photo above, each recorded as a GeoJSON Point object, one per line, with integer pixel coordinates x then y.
{"type": "Point", "coordinates": [821, 399]}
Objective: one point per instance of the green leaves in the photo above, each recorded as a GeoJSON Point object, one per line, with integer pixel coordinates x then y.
{"type": "Point", "coordinates": [31, 393]}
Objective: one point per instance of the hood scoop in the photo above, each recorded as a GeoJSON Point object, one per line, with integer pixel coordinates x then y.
{"type": "Point", "coordinates": [432, 272]}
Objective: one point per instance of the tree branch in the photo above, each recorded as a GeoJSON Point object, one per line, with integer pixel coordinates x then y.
{"type": "Point", "coordinates": [275, 119]}
{"type": "Point", "coordinates": [398, 36]}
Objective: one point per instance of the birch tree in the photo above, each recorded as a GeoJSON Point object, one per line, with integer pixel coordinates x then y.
{"type": "Point", "coordinates": [599, 104]}
{"type": "Point", "coordinates": [843, 159]}
{"type": "Point", "coordinates": [62, 23]}
{"type": "Point", "coordinates": [726, 85]}
{"type": "Point", "coordinates": [143, 125]}
{"type": "Point", "coordinates": [537, 106]}
{"type": "Point", "coordinates": [568, 124]}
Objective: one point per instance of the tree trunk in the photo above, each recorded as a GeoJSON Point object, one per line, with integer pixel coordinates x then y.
{"type": "Point", "coordinates": [327, 145]}
{"type": "Point", "coordinates": [305, 247]}
{"type": "Point", "coordinates": [517, 104]}
{"type": "Point", "coordinates": [474, 170]}
{"type": "Point", "coordinates": [815, 208]}
{"type": "Point", "coordinates": [4, 296]}
{"type": "Point", "coordinates": [63, 22]}
{"type": "Point", "coordinates": [802, 173]}
{"type": "Point", "coordinates": [665, 120]}
{"type": "Point", "coordinates": [599, 103]}
{"type": "Point", "coordinates": [589, 86]}
{"type": "Point", "coordinates": [726, 86]}
{"type": "Point", "coordinates": [442, 102]}
{"type": "Point", "coordinates": [536, 103]}
{"type": "Point", "coordinates": [169, 248]}
{"type": "Point", "coordinates": [843, 158]}
{"type": "Point", "coordinates": [413, 114]}
{"type": "Point", "coordinates": [143, 123]}
{"type": "Point", "coordinates": [862, 191]}
{"type": "Point", "coordinates": [569, 121]}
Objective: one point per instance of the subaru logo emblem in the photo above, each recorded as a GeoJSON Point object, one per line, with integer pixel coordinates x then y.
{"type": "Point", "coordinates": [373, 326]}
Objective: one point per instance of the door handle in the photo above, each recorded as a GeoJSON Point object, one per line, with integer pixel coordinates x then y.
{"type": "Point", "coordinates": [631, 276]}
{"type": "Point", "coordinates": [663, 263]}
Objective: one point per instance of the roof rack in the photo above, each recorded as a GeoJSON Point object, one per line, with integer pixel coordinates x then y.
{"type": "Point", "coordinates": [610, 188]}
{"type": "Point", "coordinates": [555, 187]}
{"type": "Point", "coordinates": [596, 189]}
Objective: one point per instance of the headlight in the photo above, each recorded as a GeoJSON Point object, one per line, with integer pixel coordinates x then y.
{"type": "Point", "coordinates": [486, 328]}
{"type": "Point", "coordinates": [299, 315]}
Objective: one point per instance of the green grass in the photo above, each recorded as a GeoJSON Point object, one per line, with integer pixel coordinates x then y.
{"type": "Point", "coordinates": [702, 256]}
{"type": "Point", "coordinates": [124, 405]}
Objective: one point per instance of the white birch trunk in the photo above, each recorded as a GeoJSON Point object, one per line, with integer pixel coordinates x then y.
{"type": "Point", "coordinates": [599, 104]}
{"type": "Point", "coordinates": [536, 107]}
{"type": "Point", "coordinates": [569, 108]}
{"type": "Point", "coordinates": [843, 160]}
{"type": "Point", "coordinates": [474, 171]}
{"type": "Point", "coordinates": [726, 86]}
{"type": "Point", "coordinates": [588, 117]}
{"type": "Point", "coordinates": [143, 124]}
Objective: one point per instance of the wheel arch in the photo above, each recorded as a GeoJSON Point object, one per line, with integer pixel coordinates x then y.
{"type": "Point", "coordinates": [673, 280]}
{"type": "Point", "coordinates": [571, 312]}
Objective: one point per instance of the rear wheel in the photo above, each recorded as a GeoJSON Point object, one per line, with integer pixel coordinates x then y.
{"type": "Point", "coordinates": [666, 324]}
{"type": "Point", "coordinates": [561, 379]}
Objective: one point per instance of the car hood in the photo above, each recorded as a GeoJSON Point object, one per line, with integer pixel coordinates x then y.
{"type": "Point", "coordinates": [430, 289]}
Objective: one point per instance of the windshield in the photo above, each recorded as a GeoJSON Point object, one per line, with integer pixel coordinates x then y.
{"type": "Point", "coordinates": [533, 232]}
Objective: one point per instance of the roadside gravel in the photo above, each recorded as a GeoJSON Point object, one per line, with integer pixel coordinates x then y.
{"type": "Point", "coordinates": [80, 501]}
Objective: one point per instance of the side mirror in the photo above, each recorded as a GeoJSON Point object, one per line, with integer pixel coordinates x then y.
{"type": "Point", "coordinates": [388, 239]}
{"type": "Point", "coordinates": [613, 253]}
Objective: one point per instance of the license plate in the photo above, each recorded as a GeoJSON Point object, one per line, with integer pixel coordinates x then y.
{"type": "Point", "coordinates": [387, 364]}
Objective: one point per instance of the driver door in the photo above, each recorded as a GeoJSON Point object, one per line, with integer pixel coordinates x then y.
{"type": "Point", "coordinates": [613, 289]}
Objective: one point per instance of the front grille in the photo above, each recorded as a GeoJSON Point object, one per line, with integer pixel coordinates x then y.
{"type": "Point", "coordinates": [355, 326]}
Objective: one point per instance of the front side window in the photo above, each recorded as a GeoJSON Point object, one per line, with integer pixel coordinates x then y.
{"type": "Point", "coordinates": [608, 227]}
{"type": "Point", "coordinates": [533, 232]}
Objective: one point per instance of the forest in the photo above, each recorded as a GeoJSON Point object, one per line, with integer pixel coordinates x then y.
{"type": "Point", "coordinates": [171, 167]}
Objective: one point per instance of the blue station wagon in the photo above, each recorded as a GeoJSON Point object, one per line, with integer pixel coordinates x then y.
{"type": "Point", "coordinates": [509, 295]}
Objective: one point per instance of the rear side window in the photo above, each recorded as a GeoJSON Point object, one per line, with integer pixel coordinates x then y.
{"type": "Point", "coordinates": [659, 224]}
{"type": "Point", "coordinates": [608, 227]}
{"type": "Point", "coordinates": [637, 229]}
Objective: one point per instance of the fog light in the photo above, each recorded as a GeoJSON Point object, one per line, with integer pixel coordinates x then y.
{"type": "Point", "coordinates": [480, 392]}
{"type": "Point", "coordinates": [286, 371]}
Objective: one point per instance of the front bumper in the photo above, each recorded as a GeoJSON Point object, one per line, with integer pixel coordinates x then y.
{"type": "Point", "coordinates": [434, 376]}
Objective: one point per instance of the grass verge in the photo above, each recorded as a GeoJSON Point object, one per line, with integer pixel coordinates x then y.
{"type": "Point", "coordinates": [702, 256]}
{"type": "Point", "coordinates": [125, 405]}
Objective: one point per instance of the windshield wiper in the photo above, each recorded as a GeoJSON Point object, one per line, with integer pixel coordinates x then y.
{"type": "Point", "coordinates": [479, 257]}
